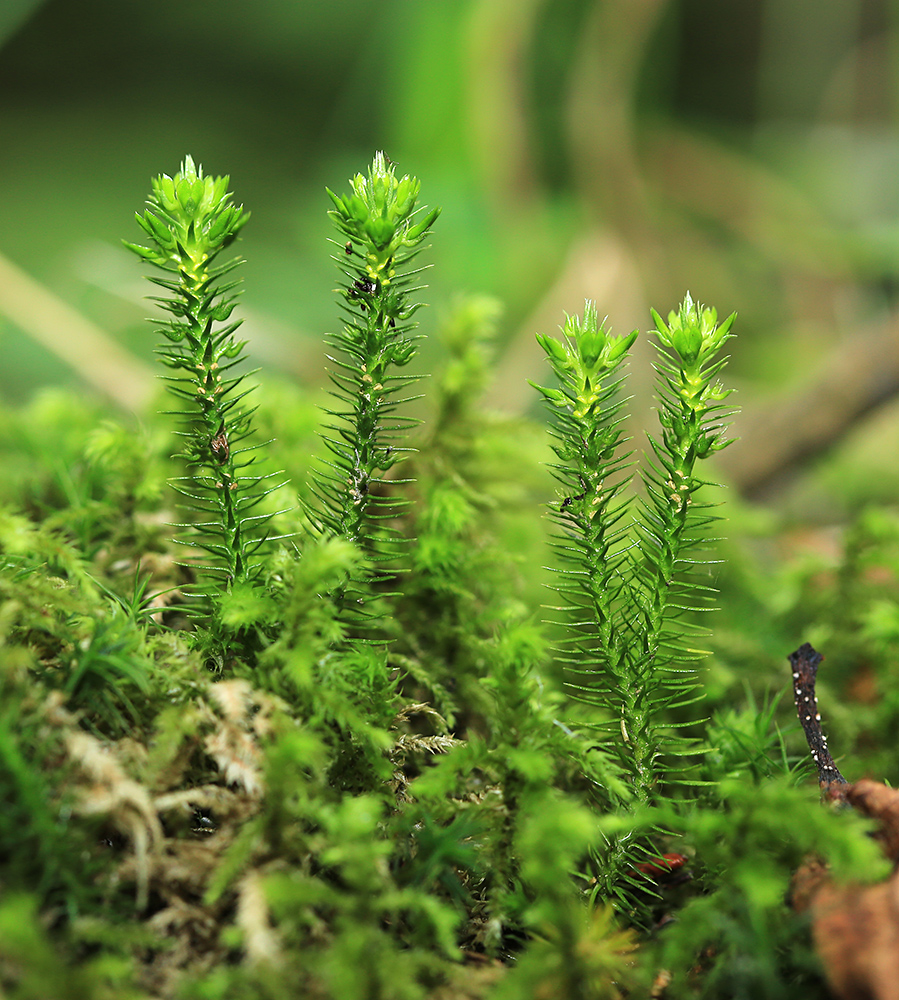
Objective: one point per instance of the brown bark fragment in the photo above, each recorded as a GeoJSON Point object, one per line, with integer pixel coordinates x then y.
{"type": "Point", "coordinates": [856, 934]}
{"type": "Point", "coordinates": [880, 803]}
{"type": "Point", "coordinates": [856, 928]}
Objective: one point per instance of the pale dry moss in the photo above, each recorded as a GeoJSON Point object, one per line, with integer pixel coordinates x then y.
{"type": "Point", "coordinates": [153, 832]}
{"type": "Point", "coordinates": [148, 804]}
{"type": "Point", "coordinates": [104, 789]}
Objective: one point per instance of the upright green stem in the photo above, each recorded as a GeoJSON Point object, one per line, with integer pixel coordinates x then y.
{"type": "Point", "coordinates": [692, 415]}
{"type": "Point", "coordinates": [587, 409]}
{"type": "Point", "coordinates": [190, 220]}
{"type": "Point", "coordinates": [622, 653]}
{"type": "Point", "coordinates": [383, 235]}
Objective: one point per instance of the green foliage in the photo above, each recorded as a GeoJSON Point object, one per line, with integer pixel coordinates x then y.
{"type": "Point", "coordinates": [36, 837]}
{"type": "Point", "coordinates": [25, 946]}
{"type": "Point", "coordinates": [624, 587]}
{"type": "Point", "coordinates": [353, 500]}
{"type": "Point", "coordinates": [190, 221]}
{"type": "Point", "coordinates": [477, 475]}
{"type": "Point", "coordinates": [749, 838]}
{"type": "Point", "coordinates": [577, 952]}
{"type": "Point", "coordinates": [393, 799]}
{"type": "Point", "coordinates": [840, 588]}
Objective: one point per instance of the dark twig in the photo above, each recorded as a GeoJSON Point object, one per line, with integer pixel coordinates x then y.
{"type": "Point", "coordinates": [805, 662]}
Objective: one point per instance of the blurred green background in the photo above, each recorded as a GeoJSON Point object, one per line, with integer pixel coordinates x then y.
{"type": "Point", "coordinates": [622, 150]}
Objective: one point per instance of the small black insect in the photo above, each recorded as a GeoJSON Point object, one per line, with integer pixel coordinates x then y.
{"type": "Point", "coordinates": [568, 501]}
{"type": "Point", "coordinates": [348, 247]}
{"type": "Point", "coordinates": [363, 286]}
{"type": "Point", "coordinates": [202, 822]}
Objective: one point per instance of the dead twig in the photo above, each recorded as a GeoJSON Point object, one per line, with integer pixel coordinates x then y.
{"type": "Point", "coordinates": [805, 662]}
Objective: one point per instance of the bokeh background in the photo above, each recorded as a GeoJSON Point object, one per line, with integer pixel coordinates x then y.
{"type": "Point", "coordinates": [622, 150]}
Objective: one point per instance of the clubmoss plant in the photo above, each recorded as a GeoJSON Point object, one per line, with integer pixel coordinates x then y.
{"type": "Point", "coordinates": [384, 232]}
{"type": "Point", "coordinates": [394, 799]}
{"type": "Point", "coordinates": [190, 220]}
{"type": "Point", "coordinates": [627, 586]}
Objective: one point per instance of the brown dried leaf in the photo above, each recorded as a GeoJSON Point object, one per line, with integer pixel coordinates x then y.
{"type": "Point", "coordinates": [856, 934]}
{"type": "Point", "coordinates": [881, 803]}
{"type": "Point", "coordinates": [811, 875]}
{"type": "Point", "coordinates": [856, 928]}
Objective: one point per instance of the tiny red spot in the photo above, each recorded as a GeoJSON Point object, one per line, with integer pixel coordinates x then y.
{"type": "Point", "coordinates": [661, 867]}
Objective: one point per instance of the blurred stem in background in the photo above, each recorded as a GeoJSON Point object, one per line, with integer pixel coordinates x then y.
{"type": "Point", "coordinates": [668, 199]}
{"type": "Point", "coordinates": [13, 13]}
{"type": "Point", "coordinates": [621, 150]}
{"type": "Point", "coordinates": [95, 356]}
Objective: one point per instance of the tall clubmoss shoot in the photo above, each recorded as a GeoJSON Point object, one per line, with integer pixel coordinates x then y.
{"type": "Point", "coordinates": [190, 220]}
{"type": "Point", "coordinates": [384, 231]}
